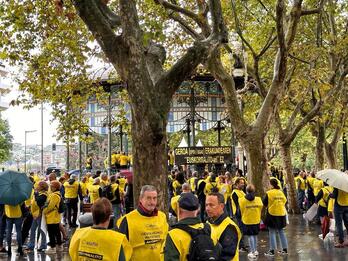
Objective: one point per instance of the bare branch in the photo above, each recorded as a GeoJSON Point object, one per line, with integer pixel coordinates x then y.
{"type": "Point", "coordinates": [239, 29]}
{"type": "Point", "coordinates": [185, 26]}
{"type": "Point", "coordinates": [178, 9]}
{"type": "Point", "coordinates": [299, 59]}
{"type": "Point", "coordinates": [310, 12]}
{"type": "Point", "coordinates": [268, 44]}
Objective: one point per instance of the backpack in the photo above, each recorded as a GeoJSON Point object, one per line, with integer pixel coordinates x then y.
{"type": "Point", "coordinates": [214, 188]}
{"type": "Point", "coordinates": [107, 192]}
{"type": "Point", "coordinates": [202, 247]}
{"type": "Point", "coordinates": [61, 207]}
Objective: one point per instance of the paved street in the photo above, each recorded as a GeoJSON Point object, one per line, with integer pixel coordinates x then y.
{"type": "Point", "coordinates": [304, 244]}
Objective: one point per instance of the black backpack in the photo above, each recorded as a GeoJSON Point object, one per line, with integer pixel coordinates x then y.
{"type": "Point", "coordinates": [107, 192]}
{"type": "Point", "coordinates": [214, 188]}
{"type": "Point", "coordinates": [202, 247]}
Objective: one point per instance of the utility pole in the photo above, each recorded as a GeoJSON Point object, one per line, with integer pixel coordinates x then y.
{"type": "Point", "coordinates": [192, 115]}
{"type": "Point", "coordinates": [42, 146]}
{"type": "Point", "coordinates": [345, 152]}
{"type": "Point", "coordinates": [109, 134]}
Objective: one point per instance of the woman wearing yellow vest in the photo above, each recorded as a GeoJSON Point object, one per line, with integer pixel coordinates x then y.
{"type": "Point", "coordinates": [322, 200]}
{"type": "Point", "coordinates": [341, 214]}
{"type": "Point", "coordinates": [250, 209]}
{"type": "Point", "coordinates": [53, 217]}
{"type": "Point", "coordinates": [275, 201]}
{"type": "Point", "coordinates": [98, 242]}
{"type": "Point", "coordinates": [37, 203]}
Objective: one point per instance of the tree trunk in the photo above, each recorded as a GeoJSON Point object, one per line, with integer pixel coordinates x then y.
{"type": "Point", "coordinates": [257, 164]}
{"type": "Point", "coordinates": [285, 151]}
{"type": "Point", "coordinates": [331, 154]}
{"type": "Point", "coordinates": [149, 146]}
{"type": "Point", "coordinates": [319, 147]}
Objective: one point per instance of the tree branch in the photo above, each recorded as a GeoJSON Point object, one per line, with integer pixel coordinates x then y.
{"type": "Point", "coordinates": [98, 24]}
{"type": "Point", "coordinates": [219, 27]}
{"type": "Point", "coordinates": [310, 12]}
{"type": "Point", "coordinates": [185, 26]}
{"type": "Point", "coordinates": [113, 19]}
{"type": "Point", "coordinates": [183, 68]}
{"type": "Point", "coordinates": [178, 9]}
{"type": "Point", "coordinates": [130, 22]}
{"type": "Point", "coordinates": [285, 40]}
{"type": "Point", "coordinates": [239, 30]}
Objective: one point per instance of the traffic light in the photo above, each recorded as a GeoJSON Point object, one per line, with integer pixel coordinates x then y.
{"type": "Point", "coordinates": [54, 147]}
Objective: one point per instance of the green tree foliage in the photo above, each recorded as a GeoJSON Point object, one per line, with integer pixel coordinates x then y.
{"type": "Point", "coordinates": [5, 141]}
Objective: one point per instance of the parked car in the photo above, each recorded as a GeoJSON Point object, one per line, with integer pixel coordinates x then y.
{"type": "Point", "coordinates": [57, 170]}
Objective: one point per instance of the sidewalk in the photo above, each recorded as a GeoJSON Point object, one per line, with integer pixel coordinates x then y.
{"type": "Point", "coordinates": [304, 244]}
{"type": "Point", "coordinates": [303, 240]}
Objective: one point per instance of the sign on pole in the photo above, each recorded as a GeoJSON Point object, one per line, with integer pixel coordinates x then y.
{"type": "Point", "coordinates": [203, 155]}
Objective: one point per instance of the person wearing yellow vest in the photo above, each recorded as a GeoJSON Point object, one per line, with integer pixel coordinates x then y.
{"type": "Point", "coordinates": [53, 217]}
{"type": "Point", "coordinates": [71, 192]}
{"type": "Point", "coordinates": [178, 240]}
{"type": "Point", "coordinates": [117, 197]}
{"type": "Point", "coordinates": [275, 220]}
{"type": "Point", "coordinates": [226, 190]}
{"type": "Point", "coordinates": [318, 184]}
{"type": "Point", "coordinates": [223, 227]}
{"type": "Point", "coordinates": [301, 187]}
{"type": "Point", "coordinates": [123, 160]}
{"type": "Point", "coordinates": [177, 183]}
{"type": "Point", "coordinates": [145, 227]}
{"type": "Point", "coordinates": [95, 191]}
{"type": "Point", "coordinates": [98, 242]}
{"type": "Point", "coordinates": [89, 162]}
{"type": "Point", "coordinates": [237, 193]}
{"type": "Point", "coordinates": [322, 199]}
{"type": "Point", "coordinates": [212, 185]}
{"type": "Point", "coordinates": [2, 228]}
{"type": "Point", "coordinates": [341, 215]}
{"type": "Point", "coordinates": [174, 202]}
{"type": "Point", "coordinates": [37, 204]}
{"type": "Point", "coordinates": [104, 180]}
{"type": "Point", "coordinates": [193, 181]}
{"type": "Point", "coordinates": [310, 189]}
{"type": "Point", "coordinates": [14, 216]}
{"type": "Point", "coordinates": [250, 210]}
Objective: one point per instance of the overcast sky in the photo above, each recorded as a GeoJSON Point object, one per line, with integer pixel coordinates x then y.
{"type": "Point", "coordinates": [21, 120]}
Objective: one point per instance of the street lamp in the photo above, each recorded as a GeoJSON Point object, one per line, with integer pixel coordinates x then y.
{"type": "Point", "coordinates": [25, 148]}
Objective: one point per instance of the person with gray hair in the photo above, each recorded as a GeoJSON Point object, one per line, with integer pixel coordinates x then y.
{"type": "Point", "coordinates": [145, 227]}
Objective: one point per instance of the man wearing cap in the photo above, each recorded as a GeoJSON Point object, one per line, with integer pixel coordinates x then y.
{"type": "Point", "coordinates": [145, 227]}
{"type": "Point", "coordinates": [178, 241]}
{"type": "Point", "coordinates": [72, 190]}
{"type": "Point", "coordinates": [223, 227]}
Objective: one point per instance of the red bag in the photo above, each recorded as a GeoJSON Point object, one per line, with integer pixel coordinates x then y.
{"type": "Point", "coordinates": [325, 226]}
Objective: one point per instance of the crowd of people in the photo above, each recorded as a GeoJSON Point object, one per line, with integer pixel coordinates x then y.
{"type": "Point", "coordinates": [53, 208]}
{"type": "Point", "coordinates": [211, 217]}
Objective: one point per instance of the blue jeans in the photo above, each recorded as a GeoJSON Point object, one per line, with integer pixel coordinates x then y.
{"type": "Point", "coordinates": [36, 225]}
{"type": "Point", "coordinates": [300, 198]}
{"type": "Point", "coordinates": [341, 214]}
{"type": "Point", "coordinates": [9, 225]}
{"type": "Point", "coordinates": [253, 243]}
{"type": "Point", "coordinates": [273, 238]}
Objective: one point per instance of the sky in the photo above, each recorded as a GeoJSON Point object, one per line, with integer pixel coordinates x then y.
{"type": "Point", "coordinates": [21, 120]}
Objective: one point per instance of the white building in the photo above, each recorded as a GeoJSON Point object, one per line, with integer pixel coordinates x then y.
{"type": "Point", "coordinates": [4, 89]}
